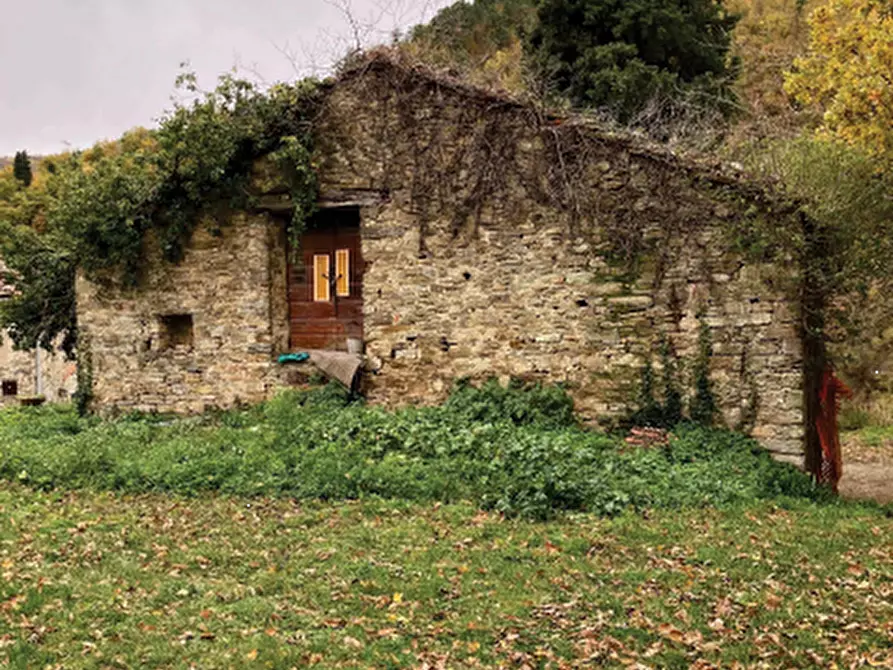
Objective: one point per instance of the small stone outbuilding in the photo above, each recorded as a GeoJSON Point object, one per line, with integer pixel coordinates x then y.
{"type": "Point", "coordinates": [25, 374]}
{"type": "Point", "coordinates": [462, 234]}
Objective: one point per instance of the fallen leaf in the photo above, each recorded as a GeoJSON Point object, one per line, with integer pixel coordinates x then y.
{"type": "Point", "coordinates": [352, 642]}
{"type": "Point", "coordinates": [671, 632]}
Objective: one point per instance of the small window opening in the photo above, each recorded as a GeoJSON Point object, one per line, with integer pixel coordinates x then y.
{"type": "Point", "coordinates": [177, 331]}
{"type": "Point", "coordinates": [9, 387]}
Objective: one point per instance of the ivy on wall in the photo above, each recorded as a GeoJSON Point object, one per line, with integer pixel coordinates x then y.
{"type": "Point", "coordinates": [666, 408]}
{"type": "Point", "coordinates": [840, 241]}
{"type": "Point", "coordinates": [83, 396]}
{"type": "Point", "coordinates": [99, 206]}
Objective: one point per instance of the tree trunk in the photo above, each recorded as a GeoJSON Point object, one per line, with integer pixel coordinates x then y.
{"type": "Point", "coordinates": [813, 304]}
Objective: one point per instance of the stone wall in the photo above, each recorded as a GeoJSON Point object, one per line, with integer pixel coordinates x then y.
{"type": "Point", "coordinates": [522, 281]}
{"type": "Point", "coordinates": [58, 375]}
{"type": "Point", "coordinates": [497, 242]}
{"type": "Point", "coordinates": [143, 355]}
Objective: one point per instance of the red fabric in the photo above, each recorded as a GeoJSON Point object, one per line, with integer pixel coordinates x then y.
{"type": "Point", "coordinates": [829, 404]}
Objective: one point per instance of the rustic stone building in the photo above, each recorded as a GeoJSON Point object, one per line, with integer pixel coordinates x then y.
{"type": "Point", "coordinates": [32, 373]}
{"type": "Point", "coordinates": [462, 234]}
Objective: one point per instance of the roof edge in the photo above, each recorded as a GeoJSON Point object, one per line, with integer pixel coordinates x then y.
{"type": "Point", "coordinates": [724, 173]}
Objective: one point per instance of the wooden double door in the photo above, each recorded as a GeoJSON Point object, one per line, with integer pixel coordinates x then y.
{"type": "Point", "coordinates": [325, 282]}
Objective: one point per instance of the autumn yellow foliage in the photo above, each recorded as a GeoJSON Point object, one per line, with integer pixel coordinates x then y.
{"type": "Point", "coordinates": [769, 37]}
{"type": "Point", "coordinates": [848, 73]}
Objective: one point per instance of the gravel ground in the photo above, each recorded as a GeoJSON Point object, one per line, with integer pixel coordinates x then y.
{"type": "Point", "coordinates": [867, 469]}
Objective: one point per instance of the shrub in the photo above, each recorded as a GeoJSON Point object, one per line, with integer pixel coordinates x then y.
{"type": "Point", "coordinates": [517, 450]}
{"type": "Point", "coordinates": [522, 404]}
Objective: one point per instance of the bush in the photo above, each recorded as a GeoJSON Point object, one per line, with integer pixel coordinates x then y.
{"type": "Point", "coordinates": [523, 405]}
{"type": "Point", "coordinates": [516, 450]}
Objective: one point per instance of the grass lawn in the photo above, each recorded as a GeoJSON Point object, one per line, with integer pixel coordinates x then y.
{"type": "Point", "coordinates": [873, 441]}
{"type": "Point", "coordinates": [112, 580]}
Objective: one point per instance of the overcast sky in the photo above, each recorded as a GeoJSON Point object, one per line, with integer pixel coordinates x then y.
{"type": "Point", "coordinates": [76, 71]}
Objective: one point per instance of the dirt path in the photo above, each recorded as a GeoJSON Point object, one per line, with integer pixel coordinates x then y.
{"type": "Point", "coordinates": [867, 470]}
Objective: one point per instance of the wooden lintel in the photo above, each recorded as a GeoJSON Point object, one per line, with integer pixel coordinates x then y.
{"type": "Point", "coordinates": [275, 203]}
{"type": "Point", "coordinates": [328, 199]}
{"type": "Point", "coordinates": [351, 197]}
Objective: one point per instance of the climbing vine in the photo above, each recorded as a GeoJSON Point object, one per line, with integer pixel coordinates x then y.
{"type": "Point", "coordinates": [83, 395]}
{"type": "Point", "coordinates": [104, 204]}
{"type": "Point", "coordinates": [649, 411]}
{"type": "Point", "coordinates": [703, 409]}
{"type": "Point", "coordinates": [198, 160]}
{"type": "Point", "coordinates": [470, 155]}
{"type": "Point", "coordinates": [668, 410]}
{"type": "Point", "coordinates": [672, 408]}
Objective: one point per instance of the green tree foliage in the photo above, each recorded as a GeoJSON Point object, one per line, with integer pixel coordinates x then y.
{"type": "Point", "coordinates": [848, 201]}
{"type": "Point", "coordinates": [96, 208]}
{"type": "Point", "coordinates": [43, 271]}
{"type": "Point", "coordinates": [164, 180]}
{"type": "Point", "coordinates": [621, 54]}
{"type": "Point", "coordinates": [21, 168]}
{"type": "Point", "coordinates": [841, 249]}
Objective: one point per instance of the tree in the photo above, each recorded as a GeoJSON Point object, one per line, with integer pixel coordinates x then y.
{"type": "Point", "coordinates": [848, 73]}
{"type": "Point", "coordinates": [21, 168]}
{"type": "Point", "coordinates": [43, 272]}
{"type": "Point", "coordinates": [841, 248]}
{"type": "Point", "coordinates": [769, 37]}
{"type": "Point", "coordinates": [92, 210]}
{"type": "Point", "coordinates": [621, 54]}
{"type": "Point", "coordinates": [483, 40]}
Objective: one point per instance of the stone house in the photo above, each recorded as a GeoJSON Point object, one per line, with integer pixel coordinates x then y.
{"type": "Point", "coordinates": [462, 234]}
{"type": "Point", "coordinates": [32, 373]}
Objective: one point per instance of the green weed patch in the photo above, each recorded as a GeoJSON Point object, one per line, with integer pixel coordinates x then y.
{"type": "Point", "coordinates": [511, 450]}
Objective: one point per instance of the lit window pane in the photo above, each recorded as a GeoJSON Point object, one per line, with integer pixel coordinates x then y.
{"type": "Point", "coordinates": [321, 278]}
{"type": "Point", "coordinates": [342, 272]}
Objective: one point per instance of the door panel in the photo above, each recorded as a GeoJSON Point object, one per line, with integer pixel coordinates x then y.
{"type": "Point", "coordinates": [325, 286]}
